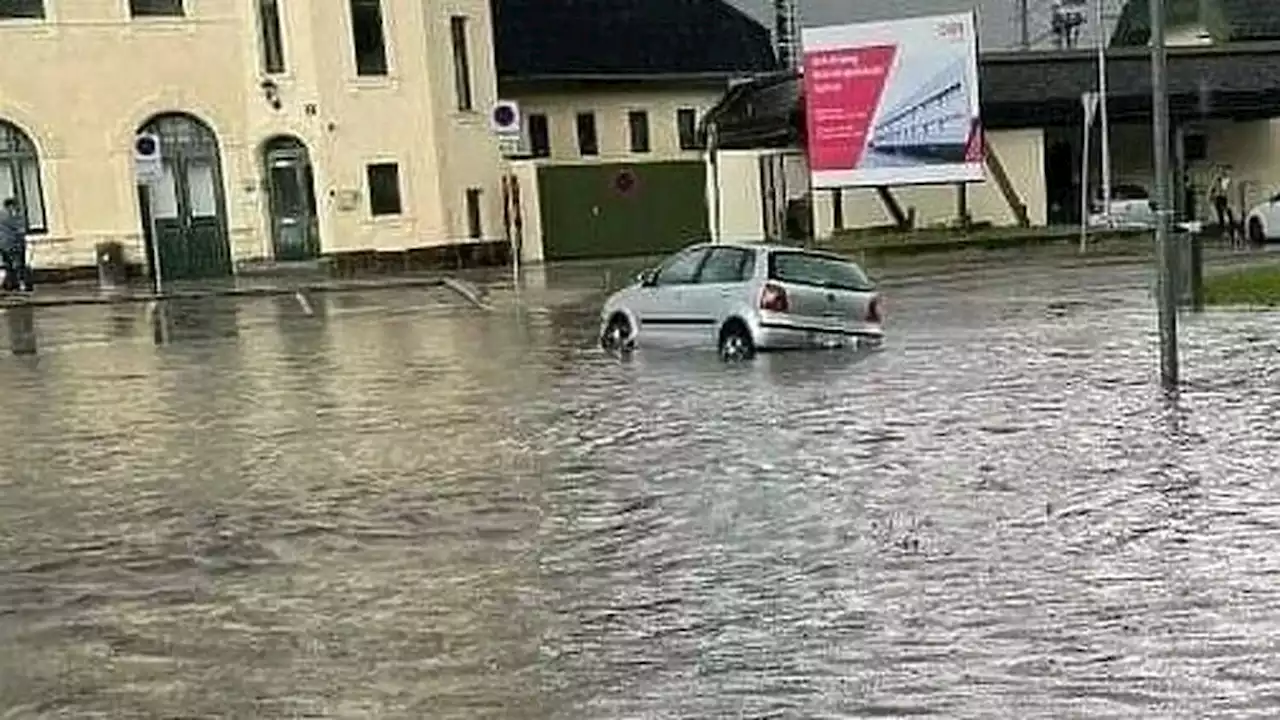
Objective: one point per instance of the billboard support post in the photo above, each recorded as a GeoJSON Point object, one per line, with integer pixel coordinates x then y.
{"type": "Point", "coordinates": [1005, 184]}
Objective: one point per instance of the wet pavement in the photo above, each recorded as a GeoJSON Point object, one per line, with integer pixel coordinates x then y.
{"type": "Point", "coordinates": [401, 506]}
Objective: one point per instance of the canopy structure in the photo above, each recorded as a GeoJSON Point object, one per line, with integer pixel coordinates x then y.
{"type": "Point", "coordinates": [1025, 89]}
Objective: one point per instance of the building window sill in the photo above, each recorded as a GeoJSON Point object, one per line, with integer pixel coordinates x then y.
{"type": "Point", "coordinates": [28, 26]}
{"type": "Point", "coordinates": [373, 82]}
{"type": "Point", "coordinates": [390, 224]}
{"type": "Point", "coordinates": [160, 26]}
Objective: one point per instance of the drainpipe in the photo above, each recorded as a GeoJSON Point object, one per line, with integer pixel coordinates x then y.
{"type": "Point", "coordinates": [713, 162]}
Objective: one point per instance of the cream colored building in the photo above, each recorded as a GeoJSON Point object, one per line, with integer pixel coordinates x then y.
{"type": "Point", "coordinates": [287, 129]}
{"type": "Point", "coordinates": [634, 121]}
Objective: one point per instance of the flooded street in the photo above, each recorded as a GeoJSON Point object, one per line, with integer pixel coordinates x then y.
{"type": "Point", "coordinates": [405, 507]}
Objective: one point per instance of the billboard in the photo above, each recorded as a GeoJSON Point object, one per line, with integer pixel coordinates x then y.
{"type": "Point", "coordinates": [893, 102]}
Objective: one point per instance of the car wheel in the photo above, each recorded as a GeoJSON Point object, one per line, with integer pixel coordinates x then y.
{"type": "Point", "coordinates": [735, 342]}
{"type": "Point", "coordinates": [617, 334]}
{"type": "Point", "coordinates": [1256, 234]}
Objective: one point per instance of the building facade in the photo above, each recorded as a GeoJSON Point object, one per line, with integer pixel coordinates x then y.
{"type": "Point", "coordinates": [287, 130]}
{"type": "Point", "coordinates": [612, 93]}
{"type": "Point", "coordinates": [1224, 104]}
{"type": "Point", "coordinates": [649, 121]}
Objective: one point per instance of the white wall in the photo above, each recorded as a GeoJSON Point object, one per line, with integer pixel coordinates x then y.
{"type": "Point", "coordinates": [1020, 151]}
{"type": "Point", "coordinates": [525, 173]}
{"type": "Point", "coordinates": [741, 199]}
{"type": "Point", "coordinates": [1250, 149]}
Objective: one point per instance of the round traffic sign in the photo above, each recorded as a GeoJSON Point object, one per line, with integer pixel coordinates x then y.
{"type": "Point", "coordinates": [504, 116]}
{"type": "Point", "coordinates": [145, 145]}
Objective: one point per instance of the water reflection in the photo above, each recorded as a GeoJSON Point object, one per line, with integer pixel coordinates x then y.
{"type": "Point", "coordinates": [394, 508]}
{"type": "Point", "coordinates": [22, 329]}
{"type": "Point", "coordinates": [122, 320]}
{"type": "Point", "coordinates": [181, 320]}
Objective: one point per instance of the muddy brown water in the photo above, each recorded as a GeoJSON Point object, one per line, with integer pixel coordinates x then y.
{"type": "Point", "coordinates": [403, 507]}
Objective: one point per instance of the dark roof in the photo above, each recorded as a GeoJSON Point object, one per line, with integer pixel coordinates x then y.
{"type": "Point", "coordinates": [557, 38]}
{"type": "Point", "coordinates": [1226, 20]}
{"type": "Point", "coordinates": [1042, 89]}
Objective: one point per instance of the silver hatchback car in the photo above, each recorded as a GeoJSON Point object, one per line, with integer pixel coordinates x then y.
{"type": "Point", "coordinates": [745, 297]}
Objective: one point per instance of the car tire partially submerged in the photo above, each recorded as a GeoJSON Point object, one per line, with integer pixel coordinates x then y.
{"type": "Point", "coordinates": [735, 342]}
{"type": "Point", "coordinates": [617, 336]}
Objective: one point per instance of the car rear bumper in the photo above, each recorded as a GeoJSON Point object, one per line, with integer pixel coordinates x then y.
{"type": "Point", "coordinates": [776, 335]}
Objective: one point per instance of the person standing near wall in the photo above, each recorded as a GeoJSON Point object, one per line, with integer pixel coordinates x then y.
{"type": "Point", "coordinates": [1220, 199]}
{"type": "Point", "coordinates": [13, 248]}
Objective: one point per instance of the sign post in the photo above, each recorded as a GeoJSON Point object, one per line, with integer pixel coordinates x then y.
{"type": "Point", "coordinates": [508, 127]}
{"type": "Point", "coordinates": [1089, 101]}
{"type": "Point", "coordinates": [148, 168]}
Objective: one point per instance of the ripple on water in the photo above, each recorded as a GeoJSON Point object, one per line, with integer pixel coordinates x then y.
{"type": "Point", "coordinates": [383, 511]}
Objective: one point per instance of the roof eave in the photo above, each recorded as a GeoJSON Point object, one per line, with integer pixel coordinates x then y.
{"type": "Point", "coordinates": [698, 77]}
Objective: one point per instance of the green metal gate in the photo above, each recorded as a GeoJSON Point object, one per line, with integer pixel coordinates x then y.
{"type": "Point", "coordinates": [620, 209]}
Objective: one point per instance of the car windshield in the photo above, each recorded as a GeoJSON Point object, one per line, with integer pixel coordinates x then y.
{"type": "Point", "coordinates": [826, 271]}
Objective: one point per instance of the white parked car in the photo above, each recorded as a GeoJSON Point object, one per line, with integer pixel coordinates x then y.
{"type": "Point", "coordinates": [745, 297]}
{"type": "Point", "coordinates": [1130, 208]}
{"type": "Point", "coordinates": [1262, 223]}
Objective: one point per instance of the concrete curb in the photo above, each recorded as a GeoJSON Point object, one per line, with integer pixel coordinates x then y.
{"type": "Point", "coordinates": [128, 297]}
{"type": "Point", "coordinates": [910, 247]}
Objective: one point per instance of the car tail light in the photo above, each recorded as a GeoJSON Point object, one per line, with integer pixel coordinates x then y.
{"type": "Point", "coordinates": [774, 299]}
{"type": "Point", "coordinates": [875, 310]}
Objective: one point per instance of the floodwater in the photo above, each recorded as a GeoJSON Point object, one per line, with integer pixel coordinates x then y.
{"type": "Point", "coordinates": [404, 507]}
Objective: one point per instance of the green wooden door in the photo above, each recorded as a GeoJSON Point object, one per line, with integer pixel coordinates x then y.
{"type": "Point", "coordinates": [185, 210]}
{"type": "Point", "coordinates": [612, 210]}
{"type": "Point", "coordinates": [295, 229]}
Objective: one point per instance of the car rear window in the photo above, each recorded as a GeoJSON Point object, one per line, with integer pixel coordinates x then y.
{"type": "Point", "coordinates": [828, 271]}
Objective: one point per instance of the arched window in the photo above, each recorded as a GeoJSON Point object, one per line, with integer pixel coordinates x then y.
{"type": "Point", "coordinates": [20, 175]}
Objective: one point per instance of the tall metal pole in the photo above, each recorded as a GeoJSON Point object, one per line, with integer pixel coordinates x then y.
{"type": "Point", "coordinates": [1024, 22]}
{"type": "Point", "coordinates": [1100, 44]}
{"type": "Point", "coordinates": [1086, 101]}
{"type": "Point", "coordinates": [1166, 288]}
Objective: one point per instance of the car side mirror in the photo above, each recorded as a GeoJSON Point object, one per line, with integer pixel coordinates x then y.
{"type": "Point", "coordinates": [645, 278]}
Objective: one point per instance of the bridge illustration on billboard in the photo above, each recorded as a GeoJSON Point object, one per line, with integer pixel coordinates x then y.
{"type": "Point", "coordinates": [931, 125]}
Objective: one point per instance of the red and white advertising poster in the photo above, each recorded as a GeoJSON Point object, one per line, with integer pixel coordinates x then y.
{"type": "Point", "coordinates": [893, 103]}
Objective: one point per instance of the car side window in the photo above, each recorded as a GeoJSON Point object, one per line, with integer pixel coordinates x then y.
{"type": "Point", "coordinates": [727, 265]}
{"type": "Point", "coordinates": [681, 269]}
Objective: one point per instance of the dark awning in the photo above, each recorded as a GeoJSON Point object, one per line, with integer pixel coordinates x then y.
{"type": "Point", "coordinates": [1043, 89]}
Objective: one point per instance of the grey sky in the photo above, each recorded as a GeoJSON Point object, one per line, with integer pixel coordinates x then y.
{"type": "Point", "coordinates": [997, 19]}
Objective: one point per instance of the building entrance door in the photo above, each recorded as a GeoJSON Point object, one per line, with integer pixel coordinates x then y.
{"type": "Point", "coordinates": [184, 213]}
{"type": "Point", "coordinates": [295, 229]}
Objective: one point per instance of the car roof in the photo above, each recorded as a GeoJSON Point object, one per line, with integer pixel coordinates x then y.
{"type": "Point", "coordinates": [768, 247]}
